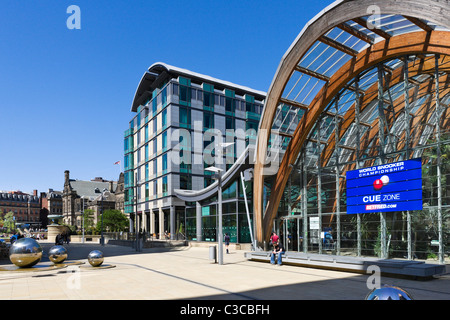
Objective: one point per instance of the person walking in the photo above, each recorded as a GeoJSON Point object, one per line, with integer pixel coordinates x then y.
{"type": "Point", "coordinates": [227, 241]}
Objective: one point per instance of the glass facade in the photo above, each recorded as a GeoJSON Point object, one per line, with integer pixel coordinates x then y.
{"type": "Point", "coordinates": [235, 219]}
{"type": "Point", "coordinates": [395, 118]}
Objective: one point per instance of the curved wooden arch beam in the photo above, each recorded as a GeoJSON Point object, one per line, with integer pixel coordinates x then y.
{"type": "Point", "coordinates": [424, 89]}
{"type": "Point", "coordinates": [436, 42]}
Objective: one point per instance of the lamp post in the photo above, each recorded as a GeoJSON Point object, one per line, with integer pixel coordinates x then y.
{"type": "Point", "coordinates": [136, 214]}
{"type": "Point", "coordinates": [82, 214]}
{"type": "Point", "coordinates": [218, 176]}
{"type": "Point", "coordinates": [102, 239]}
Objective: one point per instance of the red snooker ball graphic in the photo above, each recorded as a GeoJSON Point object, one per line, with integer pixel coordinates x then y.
{"type": "Point", "coordinates": [379, 183]}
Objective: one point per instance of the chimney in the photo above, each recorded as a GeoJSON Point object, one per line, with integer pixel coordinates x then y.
{"type": "Point", "coordinates": [66, 177]}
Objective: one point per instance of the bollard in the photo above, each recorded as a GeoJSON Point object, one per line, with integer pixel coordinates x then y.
{"type": "Point", "coordinates": [212, 253]}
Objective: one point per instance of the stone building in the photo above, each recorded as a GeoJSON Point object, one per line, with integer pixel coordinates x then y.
{"type": "Point", "coordinates": [95, 194]}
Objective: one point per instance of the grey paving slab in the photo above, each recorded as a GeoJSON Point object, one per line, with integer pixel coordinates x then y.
{"type": "Point", "coordinates": [187, 273]}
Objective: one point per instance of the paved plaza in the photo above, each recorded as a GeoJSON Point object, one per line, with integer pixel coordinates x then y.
{"type": "Point", "coordinates": [187, 273]}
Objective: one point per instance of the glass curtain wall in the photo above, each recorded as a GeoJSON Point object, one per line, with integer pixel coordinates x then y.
{"type": "Point", "coordinates": [235, 220]}
{"type": "Point", "coordinates": [387, 114]}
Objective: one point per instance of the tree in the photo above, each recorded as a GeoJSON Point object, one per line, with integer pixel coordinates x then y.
{"type": "Point", "coordinates": [8, 221]}
{"type": "Point", "coordinates": [113, 220]}
{"type": "Point", "coordinates": [89, 219]}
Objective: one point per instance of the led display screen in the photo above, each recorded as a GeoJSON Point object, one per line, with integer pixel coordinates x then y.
{"type": "Point", "coordinates": [394, 186]}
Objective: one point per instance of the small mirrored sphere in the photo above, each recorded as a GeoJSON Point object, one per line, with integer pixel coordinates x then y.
{"type": "Point", "coordinates": [388, 293]}
{"type": "Point", "coordinates": [57, 254]}
{"type": "Point", "coordinates": [95, 258]}
{"type": "Point", "coordinates": [25, 252]}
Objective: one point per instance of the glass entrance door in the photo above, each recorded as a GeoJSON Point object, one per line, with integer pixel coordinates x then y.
{"type": "Point", "coordinates": [293, 233]}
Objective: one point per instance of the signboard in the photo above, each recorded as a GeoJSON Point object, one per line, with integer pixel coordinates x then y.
{"type": "Point", "coordinates": [314, 223]}
{"type": "Point", "coordinates": [389, 187]}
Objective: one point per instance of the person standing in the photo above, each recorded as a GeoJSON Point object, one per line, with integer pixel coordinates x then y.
{"type": "Point", "coordinates": [227, 241]}
{"type": "Point", "coordinates": [274, 239]}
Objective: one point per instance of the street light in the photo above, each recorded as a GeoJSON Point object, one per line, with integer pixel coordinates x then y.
{"type": "Point", "coordinates": [218, 176]}
{"type": "Point", "coordinates": [102, 239]}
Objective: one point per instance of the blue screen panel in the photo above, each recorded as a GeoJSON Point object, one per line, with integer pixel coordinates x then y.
{"type": "Point", "coordinates": [391, 187]}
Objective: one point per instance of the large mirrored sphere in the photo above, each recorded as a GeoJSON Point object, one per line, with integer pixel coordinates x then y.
{"type": "Point", "coordinates": [95, 258]}
{"type": "Point", "coordinates": [57, 254]}
{"type": "Point", "coordinates": [388, 293]}
{"type": "Point", "coordinates": [25, 252]}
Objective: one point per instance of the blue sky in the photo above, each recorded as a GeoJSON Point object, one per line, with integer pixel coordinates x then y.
{"type": "Point", "coordinates": [65, 95]}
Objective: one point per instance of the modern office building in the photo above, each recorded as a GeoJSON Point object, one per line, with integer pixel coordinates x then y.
{"type": "Point", "coordinates": [180, 124]}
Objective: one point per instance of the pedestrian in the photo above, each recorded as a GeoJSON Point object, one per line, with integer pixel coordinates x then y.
{"type": "Point", "coordinates": [274, 239]}
{"type": "Point", "coordinates": [278, 250]}
{"type": "Point", "coordinates": [13, 238]}
{"type": "Point", "coordinates": [227, 241]}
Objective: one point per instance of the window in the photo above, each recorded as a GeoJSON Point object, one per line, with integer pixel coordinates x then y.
{"type": "Point", "coordinates": [208, 120]}
{"type": "Point", "coordinates": [164, 96]}
{"type": "Point", "coordinates": [155, 146]}
{"type": "Point", "coordinates": [229, 104]}
{"type": "Point", "coordinates": [164, 117]}
{"type": "Point", "coordinates": [185, 94]}
{"type": "Point", "coordinates": [164, 140]}
{"type": "Point", "coordinates": [146, 172]}
{"type": "Point", "coordinates": [155, 187]}
{"type": "Point", "coordinates": [146, 152]}
{"type": "Point", "coordinates": [154, 105]}
{"type": "Point", "coordinates": [185, 182]}
{"type": "Point", "coordinates": [164, 162]}
{"type": "Point", "coordinates": [147, 191]}
{"type": "Point", "coordinates": [165, 185]}
{"type": "Point", "coordinates": [146, 132]}
{"type": "Point", "coordinates": [185, 116]}
{"type": "Point", "coordinates": [208, 99]}
{"type": "Point", "coordinates": [155, 125]}
{"type": "Point", "coordinates": [229, 123]}
{"type": "Point", "coordinates": [155, 167]}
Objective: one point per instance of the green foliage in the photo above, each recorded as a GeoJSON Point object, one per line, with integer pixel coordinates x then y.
{"type": "Point", "coordinates": [113, 220]}
{"type": "Point", "coordinates": [8, 221]}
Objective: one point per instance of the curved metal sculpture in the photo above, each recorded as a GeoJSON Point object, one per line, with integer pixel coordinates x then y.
{"type": "Point", "coordinates": [25, 252]}
{"type": "Point", "coordinates": [95, 258]}
{"type": "Point", "coordinates": [57, 254]}
{"type": "Point", "coordinates": [342, 15]}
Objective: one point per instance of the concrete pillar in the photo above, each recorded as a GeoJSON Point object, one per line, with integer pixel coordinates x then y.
{"type": "Point", "coordinates": [152, 222]}
{"type": "Point", "coordinates": [161, 223]}
{"type": "Point", "coordinates": [172, 223]}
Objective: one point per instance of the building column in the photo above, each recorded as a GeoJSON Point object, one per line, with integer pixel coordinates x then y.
{"type": "Point", "coordinates": [172, 223]}
{"type": "Point", "coordinates": [161, 223]}
{"type": "Point", "coordinates": [152, 222]}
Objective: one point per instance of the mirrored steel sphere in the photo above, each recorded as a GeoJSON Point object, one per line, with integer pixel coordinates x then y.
{"type": "Point", "coordinates": [95, 258]}
{"type": "Point", "coordinates": [57, 254]}
{"type": "Point", "coordinates": [388, 293]}
{"type": "Point", "coordinates": [25, 252]}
